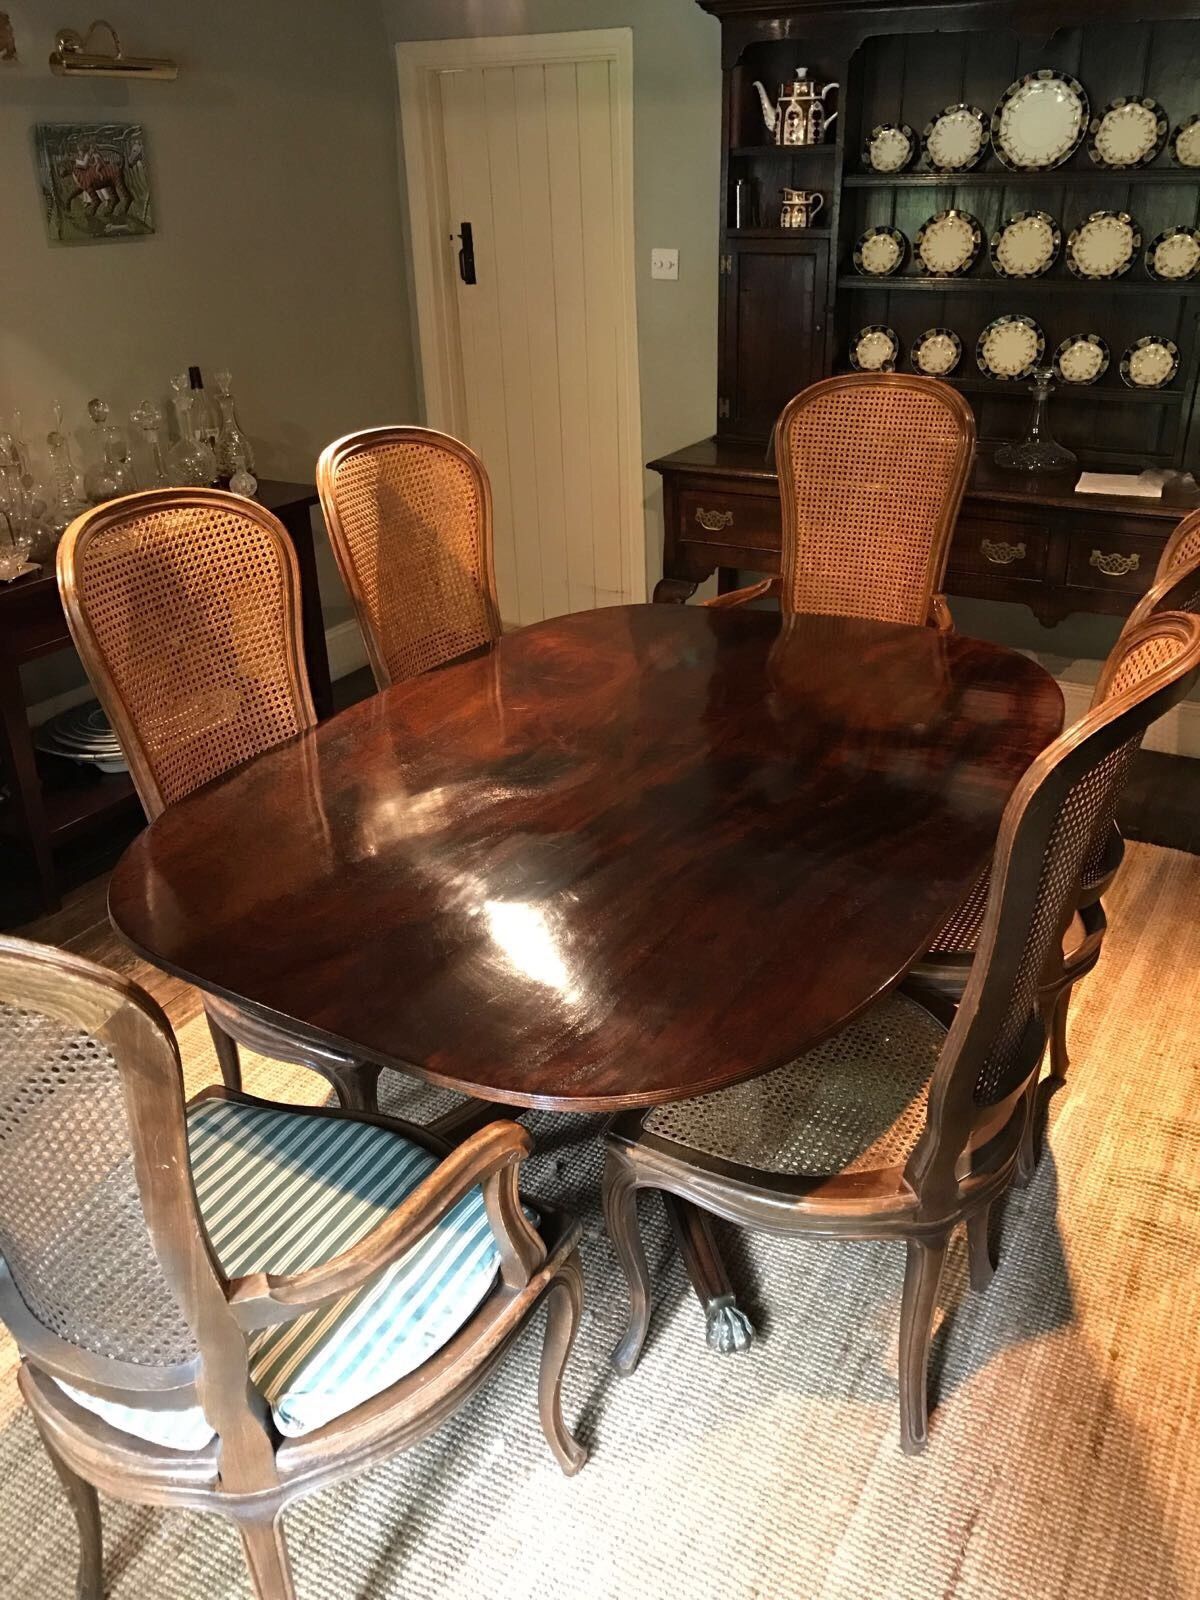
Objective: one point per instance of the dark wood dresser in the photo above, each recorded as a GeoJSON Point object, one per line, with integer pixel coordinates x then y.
{"type": "Point", "coordinates": [1033, 541]}
{"type": "Point", "coordinates": [794, 301]}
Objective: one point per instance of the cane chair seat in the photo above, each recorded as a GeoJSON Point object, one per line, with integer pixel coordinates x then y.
{"type": "Point", "coordinates": [280, 1192]}
{"type": "Point", "coordinates": [853, 1104]}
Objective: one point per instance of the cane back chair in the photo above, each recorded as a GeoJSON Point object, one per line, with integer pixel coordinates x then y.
{"type": "Point", "coordinates": [184, 605]}
{"type": "Point", "coordinates": [911, 1119]}
{"type": "Point", "coordinates": [230, 1304]}
{"type": "Point", "coordinates": [409, 514]}
{"type": "Point", "coordinates": [872, 469]}
{"type": "Point", "coordinates": [1182, 548]}
{"type": "Point", "coordinates": [946, 966]}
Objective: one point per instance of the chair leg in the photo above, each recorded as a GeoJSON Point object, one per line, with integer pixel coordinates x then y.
{"type": "Point", "coordinates": [979, 1255]}
{"type": "Point", "coordinates": [620, 1218]}
{"type": "Point", "coordinates": [1060, 1057]}
{"type": "Point", "coordinates": [227, 1055]}
{"type": "Point", "coordinates": [564, 1304]}
{"type": "Point", "coordinates": [1027, 1150]}
{"type": "Point", "coordinates": [265, 1549]}
{"type": "Point", "coordinates": [921, 1277]}
{"type": "Point", "coordinates": [89, 1584]}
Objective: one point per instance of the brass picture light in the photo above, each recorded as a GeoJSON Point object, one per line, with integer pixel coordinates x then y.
{"type": "Point", "coordinates": [73, 57]}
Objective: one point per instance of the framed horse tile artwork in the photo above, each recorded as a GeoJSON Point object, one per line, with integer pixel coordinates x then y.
{"type": "Point", "coordinates": [95, 182]}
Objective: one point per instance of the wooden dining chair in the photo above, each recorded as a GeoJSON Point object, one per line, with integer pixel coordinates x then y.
{"type": "Point", "coordinates": [1182, 547]}
{"type": "Point", "coordinates": [228, 1304]}
{"type": "Point", "coordinates": [947, 964]}
{"type": "Point", "coordinates": [910, 1120]}
{"type": "Point", "coordinates": [184, 605]}
{"type": "Point", "coordinates": [872, 469]}
{"type": "Point", "coordinates": [409, 515]}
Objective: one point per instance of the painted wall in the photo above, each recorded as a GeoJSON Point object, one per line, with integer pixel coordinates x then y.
{"type": "Point", "coordinates": [677, 135]}
{"type": "Point", "coordinates": [278, 252]}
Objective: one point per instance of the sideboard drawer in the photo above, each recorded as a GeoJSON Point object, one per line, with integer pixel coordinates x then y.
{"type": "Point", "coordinates": [1120, 563]}
{"type": "Point", "coordinates": [750, 521]}
{"type": "Point", "coordinates": [1012, 550]}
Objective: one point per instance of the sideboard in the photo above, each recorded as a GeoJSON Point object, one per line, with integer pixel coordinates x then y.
{"type": "Point", "coordinates": [794, 301]}
{"type": "Point", "coordinates": [1034, 541]}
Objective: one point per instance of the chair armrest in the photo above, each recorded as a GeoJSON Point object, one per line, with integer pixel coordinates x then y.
{"type": "Point", "coordinates": [940, 615]}
{"type": "Point", "coordinates": [491, 1157]}
{"type": "Point", "coordinates": [739, 597]}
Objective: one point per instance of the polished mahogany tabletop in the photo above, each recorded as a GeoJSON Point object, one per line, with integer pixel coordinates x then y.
{"type": "Point", "coordinates": [627, 856]}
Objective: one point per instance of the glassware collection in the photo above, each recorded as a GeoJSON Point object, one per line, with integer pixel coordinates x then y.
{"type": "Point", "coordinates": [38, 498]}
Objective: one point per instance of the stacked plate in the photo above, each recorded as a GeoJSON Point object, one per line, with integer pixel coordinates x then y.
{"type": "Point", "coordinates": [82, 734]}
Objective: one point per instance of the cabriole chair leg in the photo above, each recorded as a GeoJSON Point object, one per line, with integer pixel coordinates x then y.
{"type": "Point", "coordinates": [620, 1218]}
{"type": "Point", "coordinates": [1060, 1057]}
{"type": "Point", "coordinates": [922, 1274]}
{"type": "Point", "coordinates": [1027, 1152]}
{"type": "Point", "coordinates": [564, 1304]}
{"type": "Point", "coordinates": [979, 1255]}
{"type": "Point", "coordinates": [265, 1549]}
{"type": "Point", "coordinates": [85, 1503]}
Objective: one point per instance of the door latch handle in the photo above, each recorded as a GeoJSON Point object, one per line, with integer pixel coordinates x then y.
{"type": "Point", "coordinates": [466, 254]}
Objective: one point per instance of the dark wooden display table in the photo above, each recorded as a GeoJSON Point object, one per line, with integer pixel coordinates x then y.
{"type": "Point", "coordinates": [1031, 540]}
{"type": "Point", "coordinates": [54, 801]}
{"type": "Point", "coordinates": [628, 856]}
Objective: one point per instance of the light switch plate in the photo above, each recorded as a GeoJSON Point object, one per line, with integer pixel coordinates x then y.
{"type": "Point", "coordinates": [664, 264]}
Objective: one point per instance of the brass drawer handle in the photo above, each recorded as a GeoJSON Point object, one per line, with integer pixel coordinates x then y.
{"type": "Point", "coordinates": [1000, 553]}
{"type": "Point", "coordinates": [714, 521]}
{"type": "Point", "coordinates": [1114, 565]}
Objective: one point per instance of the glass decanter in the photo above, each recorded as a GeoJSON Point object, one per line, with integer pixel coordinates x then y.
{"type": "Point", "coordinates": [148, 419]}
{"type": "Point", "coordinates": [23, 509]}
{"type": "Point", "coordinates": [111, 473]}
{"type": "Point", "coordinates": [67, 502]}
{"type": "Point", "coordinates": [234, 451]}
{"type": "Point", "coordinates": [1038, 451]}
{"type": "Point", "coordinates": [189, 460]}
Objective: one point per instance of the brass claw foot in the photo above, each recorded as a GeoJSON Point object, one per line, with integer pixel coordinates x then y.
{"type": "Point", "coordinates": [727, 1328]}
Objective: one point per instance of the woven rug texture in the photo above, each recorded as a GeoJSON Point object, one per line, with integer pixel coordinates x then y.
{"type": "Point", "coordinates": [1064, 1452]}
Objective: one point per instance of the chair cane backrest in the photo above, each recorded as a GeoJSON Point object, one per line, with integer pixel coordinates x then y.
{"type": "Point", "coordinates": [872, 469]}
{"type": "Point", "coordinates": [1182, 548]}
{"type": "Point", "coordinates": [1176, 586]}
{"type": "Point", "coordinates": [409, 514]}
{"type": "Point", "coordinates": [185, 607]}
{"type": "Point", "coordinates": [94, 1173]}
{"type": "Point", "coordinates": [996, 1040]}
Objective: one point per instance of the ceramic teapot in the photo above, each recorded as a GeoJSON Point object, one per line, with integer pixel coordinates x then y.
{"type": "Point", "coordinates": [799, 117]}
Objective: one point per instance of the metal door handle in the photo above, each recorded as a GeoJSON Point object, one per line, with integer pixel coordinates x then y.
{"type": "Point", "coordinates": [466, 255]}
{"type": "Point", "coordinates": [1114, 565]}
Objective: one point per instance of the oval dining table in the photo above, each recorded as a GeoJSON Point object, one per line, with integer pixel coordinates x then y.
{"type": "Point", "coordinates": [625, 857]}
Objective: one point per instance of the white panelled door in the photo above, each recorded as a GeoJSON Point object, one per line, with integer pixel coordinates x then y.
{"type": "Point", "coordinates": [536, 324]}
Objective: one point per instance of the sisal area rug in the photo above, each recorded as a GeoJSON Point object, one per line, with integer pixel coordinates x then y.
{"type": "Point", "coordinates": [1064, 1454]}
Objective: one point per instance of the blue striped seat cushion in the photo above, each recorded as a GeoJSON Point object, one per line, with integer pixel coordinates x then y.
{"type": "Point", "coordinates": [279, 1192]}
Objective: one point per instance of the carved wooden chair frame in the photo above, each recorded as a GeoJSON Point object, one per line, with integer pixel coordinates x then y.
{"type": "Point", "coordinates": [333, 458]}
{"type": "Point", "coordinates": [248, 1473]}
{"type": "Point", "coordinates": [1183, 546]}
{"type": "Point", "coordinates": [939, 549]}
{"type": "Point", "coordinates": [230, 1025]}
{"type": "Point", "coordinates": [969, 1151]}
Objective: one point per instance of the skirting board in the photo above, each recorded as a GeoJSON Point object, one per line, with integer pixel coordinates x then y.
{"type": "Point", "coordinates": [1177, 734]}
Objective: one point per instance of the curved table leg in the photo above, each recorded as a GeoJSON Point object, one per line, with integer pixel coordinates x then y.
{"type": "Point", "coordinates": [727, 1328]}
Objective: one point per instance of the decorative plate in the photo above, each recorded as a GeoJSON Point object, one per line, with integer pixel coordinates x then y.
{"type": "Point", "coordinates": [956, 139]}
{"type": "Point", "coordinates": [1039, 121]}
{"type": "Point", "coordinates": [1010, 347]}
{"type": "Point", "coordinates": [1185, 143]}
{"type": "Point", "coordinates": [1150, 363]}
{"type": "Point", "coordinates": [1083, 358]}
{"type": "Point", "coordinates": [889, 147]}
{"type": "Point", "coordinates": [948, 244]}
{"type": "Point", "coordinates": [1104, 246]}
{"type": "Point", "coordinates": [874, 349]}
{"type": "Point", "coordinates": [936, 352]}
{"type": "Point", "coordinates": [1026, 245]}
{"type": "Point", "coordinates": [1175, 255]}
{"type": "Point", "coordinates": [1127, 133]}
{"type": "Point", "coordinates": [880, 252]}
